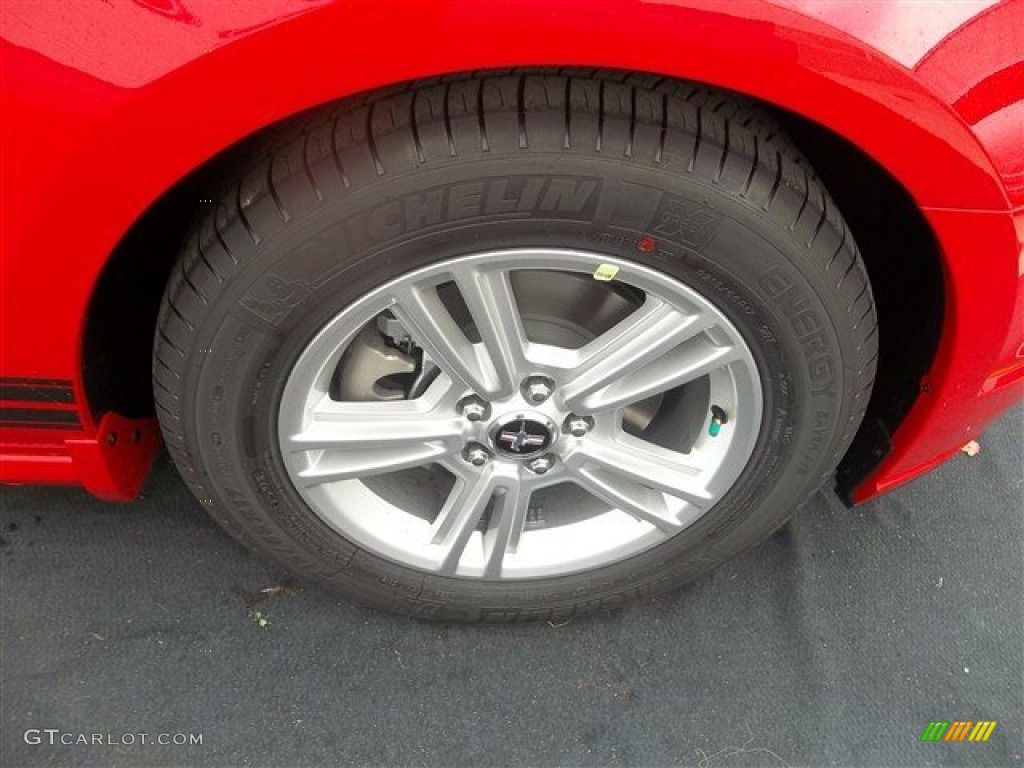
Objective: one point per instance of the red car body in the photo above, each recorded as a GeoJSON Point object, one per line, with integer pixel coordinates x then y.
{"type": "Point", "coordinates": [107, 105]}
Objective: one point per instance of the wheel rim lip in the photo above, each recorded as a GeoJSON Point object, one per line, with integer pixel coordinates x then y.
{"type": "Point", "coordinates": [334, 503]}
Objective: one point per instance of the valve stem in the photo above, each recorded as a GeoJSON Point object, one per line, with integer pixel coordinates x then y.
{"type": "Point", "coordinates": [718, 418]}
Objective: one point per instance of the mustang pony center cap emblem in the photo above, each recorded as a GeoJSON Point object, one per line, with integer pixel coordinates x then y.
{"type": "Point", "coordinates": [523, 436]}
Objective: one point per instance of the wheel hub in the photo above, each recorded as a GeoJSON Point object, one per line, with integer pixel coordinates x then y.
{"type": "Point", "coordinates": [522, 435]}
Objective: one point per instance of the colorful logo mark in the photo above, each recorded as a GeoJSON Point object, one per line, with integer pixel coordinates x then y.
{"type": "Point", "coordinates": [958, 730]}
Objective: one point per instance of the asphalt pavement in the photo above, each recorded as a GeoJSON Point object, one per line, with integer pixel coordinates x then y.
{"type": "Point", "coordinates": [834, 643]}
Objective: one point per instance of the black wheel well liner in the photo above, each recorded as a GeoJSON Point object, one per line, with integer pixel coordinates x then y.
{"type": "Point", "coordinates": [904, 265]}
{"type": "Point", "coordinates": [899, 249]}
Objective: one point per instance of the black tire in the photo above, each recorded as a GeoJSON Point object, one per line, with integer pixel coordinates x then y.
{"type": "Point", "coordinates": [329, 212]}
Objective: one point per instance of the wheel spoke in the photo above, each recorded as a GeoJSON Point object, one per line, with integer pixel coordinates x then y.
{"type": "Point", "coordinates": [465, 506]}
{"type": "Point", "coordinates": [475, 367]}
{"type": "Point", "coordinates": [507, 523]}
{"type": "Point", "coordinates": [655, 348]}
{"type": "Point", "coordinates": [691, 360]}
{"type": "Point", "coordinates": [629, 496]}
{"type": "Point", "coordinates": [492, 304]}
{"type": "Point", "coordinates": [364, 439]}
{"type": "Point", "coordinates": [638, 464]}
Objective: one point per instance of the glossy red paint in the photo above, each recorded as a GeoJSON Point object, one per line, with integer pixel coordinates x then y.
{"type": "Point", "coordinates": [111, 463]}
{"type": "Point", "coordinates": [980, 72]}
{"type": "Point", "coordinates": [966, 388]}
{"type": "Point", "coordinates": [106, 105]}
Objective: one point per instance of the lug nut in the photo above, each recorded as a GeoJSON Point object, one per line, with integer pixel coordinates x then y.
{"type": "Point", "coordinates": [537, 389]}
{"type": "Point", "coordinates": [578, 426]}
{"type": "Point", "coordinates": [541, 464]}
{"type": "Point", "coordinates": [476, 454]}
{"type": "Point", "coordinates": [474, 408]}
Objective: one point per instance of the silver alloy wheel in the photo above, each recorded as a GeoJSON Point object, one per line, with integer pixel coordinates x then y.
{"type": "Point", "coordinates": [370, 469]}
